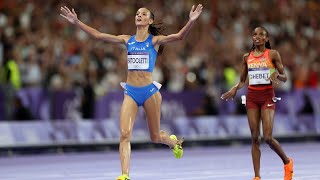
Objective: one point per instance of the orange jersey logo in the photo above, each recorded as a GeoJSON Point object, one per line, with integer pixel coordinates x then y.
{"type": "Point", "coordinates": [260, 62]}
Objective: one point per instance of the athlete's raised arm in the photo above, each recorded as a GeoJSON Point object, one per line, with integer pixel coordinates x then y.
{"type": "Point", "coordinates": [243, 76]}
{"type": "Point", "coordinates": [72, 17]}
{"type": "Point", "coordinates": [194, 14]}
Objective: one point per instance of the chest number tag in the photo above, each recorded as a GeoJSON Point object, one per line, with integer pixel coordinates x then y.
{"type": "Point", "coordinates": [138, 60]}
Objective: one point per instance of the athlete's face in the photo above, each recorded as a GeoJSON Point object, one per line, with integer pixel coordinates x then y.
{"type": "Point", "coordinates": [259, 37]}
{"type": "Point", "coordinates": [143, 17]}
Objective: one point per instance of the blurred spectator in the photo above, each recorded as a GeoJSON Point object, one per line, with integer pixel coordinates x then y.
{"type": "Point", "coordinates": [88, 100]}
{"type": "Point", "coordinates": [9, 71]}
{"type": "Point", "coordinates": [207, 107]}
{"type": "Point", "coordinates": [21, 112]}
{"type": "Point", "coordinates": [314, 75]}
{"type": "Point", "coordinates": [9, 77]}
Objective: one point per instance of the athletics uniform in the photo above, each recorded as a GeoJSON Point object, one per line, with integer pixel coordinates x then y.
{"type": "Point", "coordinates": [141, 57]}
{"type": "Point", "coordinates": [260, 91]}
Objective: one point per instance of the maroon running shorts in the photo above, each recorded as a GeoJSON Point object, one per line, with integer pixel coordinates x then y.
{"type": "Point", "coordinates": [260, 99]}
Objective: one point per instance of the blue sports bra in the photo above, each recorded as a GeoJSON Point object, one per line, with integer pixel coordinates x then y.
{"type": "Point", "coordinates": [141, 55]}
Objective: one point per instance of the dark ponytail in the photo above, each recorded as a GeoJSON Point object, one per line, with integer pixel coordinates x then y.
{"type": "Point", "coordinates": [155, 30]}
{"type": "Point", "coordinates": [267, 44]}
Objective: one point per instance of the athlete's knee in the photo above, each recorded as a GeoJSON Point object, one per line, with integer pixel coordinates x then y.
{"type": "Point", "coordinates": [256, 140]}
{"type": "Point", "coordinates": [125, 135]}
{"type": "Point", "coordinates": [268, 139]}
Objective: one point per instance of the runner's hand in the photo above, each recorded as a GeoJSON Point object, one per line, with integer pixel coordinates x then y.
{"type": "Point", "coordinates": [274, 77]}
{"type": "Point", "coordinates": [230, 94]}
{"type": "Point", "coordinates": [195, 13]}
{"type": "Point", "coordinates": [71, 16]}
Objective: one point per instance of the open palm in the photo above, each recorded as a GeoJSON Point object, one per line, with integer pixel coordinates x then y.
{"type": "Point", "coordinates": [195, 13]}
{"type": "Point", "coordinates": [230, 94]}
{"type": "Point", "coordinates": [71, 16]}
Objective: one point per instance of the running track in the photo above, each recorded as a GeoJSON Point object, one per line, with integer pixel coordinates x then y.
{"type": "Point", "coordinates": [218, 163]}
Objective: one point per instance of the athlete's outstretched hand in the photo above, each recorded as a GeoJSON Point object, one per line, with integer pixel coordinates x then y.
{"type": "Point", "coordinates": [230, 94]}
{"type": "Point", "coordinates": [195, 13]}
{"type": "Point", "coordinates": [71, 16]}
{"type": "Point", "coordinates": [274, 77]}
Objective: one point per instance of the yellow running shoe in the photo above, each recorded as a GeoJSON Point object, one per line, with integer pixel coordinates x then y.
{"type": "Point", "coordinates": [177, 149]}
{"type": "Point", "coordinates": [123, 177]}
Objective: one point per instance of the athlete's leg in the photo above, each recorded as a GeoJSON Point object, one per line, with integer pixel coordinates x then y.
{"type": "Point", "coordinates": [267, 124]}
{"type": "Point", "coordinates": [128, 115]}
{"type": "Point", "coordinates": [152, 107]}
{"type": "Point", "coordinates": [254, 124]}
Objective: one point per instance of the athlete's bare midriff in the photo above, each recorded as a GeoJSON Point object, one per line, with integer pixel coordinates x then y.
{"type": "Point", "coordinates": [139, 78]}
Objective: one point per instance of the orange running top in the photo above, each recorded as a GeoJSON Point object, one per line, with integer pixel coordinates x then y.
{"type": "Point", "coordinates": [259, 70]}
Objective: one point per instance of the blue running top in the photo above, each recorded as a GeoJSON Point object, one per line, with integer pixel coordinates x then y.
{"type": "Point", "coordinates": [141, 55]}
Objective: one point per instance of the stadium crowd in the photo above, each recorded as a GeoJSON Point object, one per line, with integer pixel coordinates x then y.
{"type": "Point", "coordinates": [48, 52]}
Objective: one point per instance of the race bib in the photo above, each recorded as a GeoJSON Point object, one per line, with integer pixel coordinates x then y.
{"type": "Point", "coordinates": [259, 77]}
{"type": "Point", "coordinates": [138, 60]}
